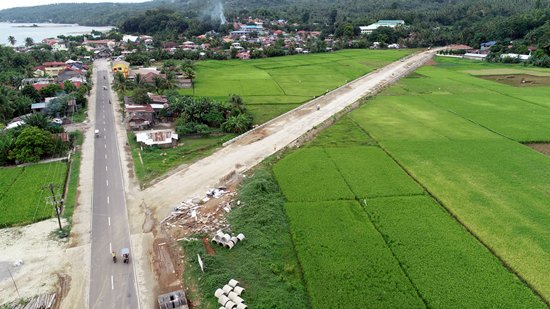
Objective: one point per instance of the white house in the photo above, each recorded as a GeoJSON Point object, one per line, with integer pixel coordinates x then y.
{"type": "Point", "coordinates": [516, 56]}
{"type": "Point", "coordinates": [161, 138]}
{"type": "Point", "coordinates": [381, 23]}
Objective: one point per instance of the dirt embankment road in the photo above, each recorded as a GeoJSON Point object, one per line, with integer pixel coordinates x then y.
{"type": "Point", "coordinates": [251, 148]}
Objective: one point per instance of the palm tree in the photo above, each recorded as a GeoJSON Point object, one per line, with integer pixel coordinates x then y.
{"type": "Point", "coordinates": [160, 84]}
{"type": "Point", "coordinates": [12, 40]}
{"type": "Point", "coordinates": [138, 80]}
{"type": "Point", "coordinates": [189, 73]}
{"type": "Point", "coordinates": [119, 82]}
{"type": "Point", "coordinates": [29, 41]}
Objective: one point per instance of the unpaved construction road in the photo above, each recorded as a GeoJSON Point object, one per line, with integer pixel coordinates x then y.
{"type": "Point", "coordinates": [249, 149]}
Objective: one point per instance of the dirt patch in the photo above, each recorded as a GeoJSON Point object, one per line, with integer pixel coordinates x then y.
{"type": "Point", "coordinates": [540, 147]}
{"type": "Point", "coordinates": [207, 246]}
{"type": "Point", "coordinates": [254, 137]}
{"type": "Point", "coordinates": [430, 63]}
{"type": "Point", "coordinates": [519, 80]}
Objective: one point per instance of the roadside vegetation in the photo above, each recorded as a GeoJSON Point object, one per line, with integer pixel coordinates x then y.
{"type": "Point", "coordinates": [153, 162]}
{"type": "Point", "coordinates": [264, 263]}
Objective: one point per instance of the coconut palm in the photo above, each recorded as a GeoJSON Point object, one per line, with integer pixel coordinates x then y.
{"type": "Point", "coordinates": [138, 80]}
{"type": "Point", "coordinates": [119, 82]}
{"type": "Point", "coordinates": [12, 40]}
{"type": "Point", "coordinates": [189, 73]}
{"type": "Point", "coordinates": [29, 41]}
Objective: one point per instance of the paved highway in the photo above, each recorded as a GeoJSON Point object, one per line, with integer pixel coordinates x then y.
{"type": "Point", "coordinates": [112, 285]}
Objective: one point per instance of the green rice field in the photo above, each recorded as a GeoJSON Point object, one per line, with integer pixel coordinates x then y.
{"type": "Point", "coordinates": [438, 167]}
{"type": "Point", "coordinates": [273, 86]}
{"type": "Point", "coordinates": [23, 192]}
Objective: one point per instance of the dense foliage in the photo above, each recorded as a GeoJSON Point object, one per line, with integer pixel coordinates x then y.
{"type": "Point", "coordinates": [201, 115]}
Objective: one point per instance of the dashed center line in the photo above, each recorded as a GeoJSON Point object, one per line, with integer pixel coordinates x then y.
{"type": "Point", "coordinates": [112, 283]}
{"type": "Point", "coordinates": [109, 219]}
{"type": "Point", "coordinates": [108, 200]}
{"type": "Point", "coordinates": [107, 180]}
{"type": "Point", "coordinates": [106, 169]}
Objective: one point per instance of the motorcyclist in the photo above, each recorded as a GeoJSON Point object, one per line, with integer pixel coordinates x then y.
{"type": "Point", "coordinates": [114, 256]}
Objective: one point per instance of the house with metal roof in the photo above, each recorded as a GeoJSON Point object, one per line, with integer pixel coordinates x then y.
{"type": "Point", "coordinates": [392, 23]}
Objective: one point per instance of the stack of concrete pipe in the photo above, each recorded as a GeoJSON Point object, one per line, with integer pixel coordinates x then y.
{"type": "Point", "coordinates": [226, 240]}
{"type": "Point", "coordinates": [230, 296]}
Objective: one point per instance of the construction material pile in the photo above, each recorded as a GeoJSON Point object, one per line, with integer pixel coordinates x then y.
{"type": "Point", "coordinates": [230, 296]}
{"type": "Point", "coordinates": [226, 240]}
{"type": "Point", "coordinates": [202, 216]}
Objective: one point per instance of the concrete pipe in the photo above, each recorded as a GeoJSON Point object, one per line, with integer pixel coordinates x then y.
{"type": "Point", "coordinates": [230, 305]}
{"type": "Point", "coordinates": [226, 237]}
{"type": "Point", "coordinates": [234, 239]}
{"type": "Point", "coordinates": [231, 295]}
{"type": "Point", "coordinates": [241, 236]}
{"type": "Point", "coordinates": [218, 293]}
{"type": "Point", "coordinates": [233, 283]}
{"type": "Point", "coordinates": [227, 288]}
{"type": "Point", "coordinates": [229, 244]}
{"type": "Point", "coordinates": [238, 290]}
{"type": "Point", "coordinates": [236, 299]}
{"type": "Point", "coordinates": [223, 300]}
{"type": "Point", "coordinates": [242, 306]}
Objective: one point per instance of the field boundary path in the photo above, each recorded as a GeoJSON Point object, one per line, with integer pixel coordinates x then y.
{"type": "Point", "coordinates": [249, 149]}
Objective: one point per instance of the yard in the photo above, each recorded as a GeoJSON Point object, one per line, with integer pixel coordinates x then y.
{"type": "Point", "coordinates": [152, 162]}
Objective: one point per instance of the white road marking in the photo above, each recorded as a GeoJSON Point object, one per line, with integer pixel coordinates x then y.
{"type": "Point", "coordinates": [104, 129]}
{"type": "Point", "coordinates": [107, 182]}
{"type": "Point", "coordinates": [107, 200]}
{"type": "Point", "coordinates": [109, 218]}
{"type": "Point", "coordinates": [105, 156]}
{"type": "Point", "coordinates": [110, 247]}
{"type": "Point", "coordinates": [112, 283]}
{"type": "Point", "coordinates": [105, 146]}
{"type": "Point", "coordinates": [106, 168]}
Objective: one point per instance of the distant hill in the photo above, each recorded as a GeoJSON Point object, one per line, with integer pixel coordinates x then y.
{"type": "Point", "coordinates": [443, 12]}
{"type": "Point", "coordinates": [89, 14]}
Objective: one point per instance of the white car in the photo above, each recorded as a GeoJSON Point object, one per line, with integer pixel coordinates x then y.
{"type": "Point", "coordinates": [57, 121]}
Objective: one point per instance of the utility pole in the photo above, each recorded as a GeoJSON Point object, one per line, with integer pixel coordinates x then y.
{"type": "Point", "coordinates": [18, 295]}
{"type": "Point", "coordinates": [56, 206]}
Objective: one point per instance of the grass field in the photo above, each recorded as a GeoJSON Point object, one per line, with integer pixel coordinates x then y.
{"type": "Point", "coordinates": [273, 86]}
{"type": "Point", "coordinates": [23, 192]}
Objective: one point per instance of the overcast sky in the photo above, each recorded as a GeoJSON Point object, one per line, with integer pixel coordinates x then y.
{"type": "Point", "coordinates": [4, 4]}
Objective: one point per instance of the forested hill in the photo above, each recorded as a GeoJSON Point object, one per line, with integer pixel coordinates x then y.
{"type": "Point", "coordinates": [318, 11]}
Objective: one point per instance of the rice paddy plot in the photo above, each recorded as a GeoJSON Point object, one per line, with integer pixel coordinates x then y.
{"type": "Point", "coordinates": [345, 261]}
{"type": "Point", "coordinates": [309, 175]}
{"type": "Point", "coordinates": [345, 132]}
{"type": "Point", "coordinates": [514, 118]}
{"type": "Point", "coordinates": [287, 80]}
{"type": "Point", "coordinates": [413, 118]}
{"type": "Point", "coordinates": [498, 189]}
{"type": "Point", "coordinates": [446, 264]}
{"type": "Point", "coordinates": [24, 193]}
{"type": "Point", "coordinates": [370, 172]}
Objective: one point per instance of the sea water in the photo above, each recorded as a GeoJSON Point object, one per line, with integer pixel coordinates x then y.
{"type": "Point", "coordinates": [44, 30]}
